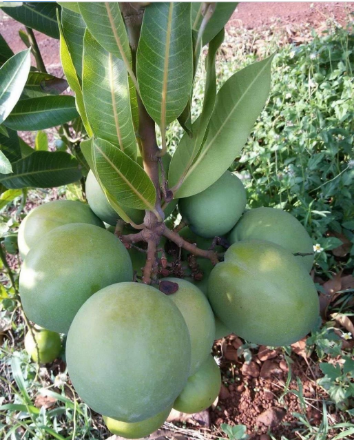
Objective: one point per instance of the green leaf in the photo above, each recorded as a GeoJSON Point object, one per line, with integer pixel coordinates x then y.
{"type": "Point", "coordinates": [238, 104]}
{"type": "Point", "coordinates": [4, 131]}
{"type": "Point", "coordinates": [104, 21]}
{"type": "Point", "coordinates": [41, 142]}
{"type": "Point", "coordinates": [5, 51]}
{"type": "Point", "coordinates": [19, 379]}
{"type": "Point", "coordinates": [10, 145]}
{"type": "Point", "coordinates": [134, 104]}
{"type": "Point", "coordinates": [330, 370]}
{"type": "Point", "coordinates": [344, 434]}
{"type": "Point", "coordinates": [13, 79]}
{"type": "Point", "coordinates": [8, 196]}
{"type": "Point", "coordinates": [21, 408]}
{"type": "Point", "coordinates": [106, 96]}
{"type": "Point", "coordinates": [86, 149]}
{"type": "Point", "coordinates": [221, 15]}
{"type": "Point", "coordinates": [5, 165]}
{"type": "Point", "coordinates": [210, 91]}
{"type": "Point", "coordinates": [25, 149]}
{"type": "Point", "coordinates": [40, 113]}
{"type": "Point", "coordinates": [71, 75]}
{"type": "Point", "coordinates": [124, 179]}
{"type": "Point", "coordinates": [40, 83]}
{"type": "Point", "coordinates": [165, 60]}
{"type": "Point", "coordinates": [40, 16]}
{"type": "Point", "coordinates": [74, 27]}
{"type": "Point", "coordinates": [71, 6]}
{"type": "Point", "coordinates": [42, 169]}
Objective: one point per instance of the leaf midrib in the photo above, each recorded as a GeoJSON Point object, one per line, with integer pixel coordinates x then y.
{"type": "Point", "coordinates": [138, 194]}
{"type": "Point", "coordinates": [12, 77]}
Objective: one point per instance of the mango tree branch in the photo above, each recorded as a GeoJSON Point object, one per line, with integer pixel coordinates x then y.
{"type": "Point", "coordinates": [173, 236]}
{"type": "Point", "coordinates": [150, 261]}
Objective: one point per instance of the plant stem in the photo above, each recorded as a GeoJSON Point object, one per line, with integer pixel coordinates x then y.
{"type": "Point", "coordinates": [173, 236]}
{"type": "Point", "coordinates": [8, 269]}
{"type": "Point", "coordinates": [35, 50]}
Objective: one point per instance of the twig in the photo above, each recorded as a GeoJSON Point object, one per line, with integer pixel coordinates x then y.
{"type": "Point", "coordinates": [173, 236]}
{"type": "Point", "coordinates": [150, 261]}
{"type": "Point", "coordinates": [35, 50]}
{"type": "Point", "coordinates": [8, 269]}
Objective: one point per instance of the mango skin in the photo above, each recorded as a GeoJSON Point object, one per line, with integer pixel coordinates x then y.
{"type": "Point", "coordinates": [201, 390]}
{"type": "Point", "coordinates": [216, 210]}
{"type": "Point", "coordinates": [128, 352]}
{"type": "Point", "coordinates": [100, 206]}
{"type": "Point", "coordinates": [263, 294]}
{"type": "Point", "coordinates": [277, 226]}
{"type": "Point", "coordinates": [199, 318]}
{"type": "Point", "coordinates": [69, 265]}
{"type": "Point", "coordinates": [46, 217]}
{"type": "Point", "coordinates": [137, 429]}
{"type": "Point", "coordinates": [49, 345]}
{"type": "Point", "coordinates": [221, 331]}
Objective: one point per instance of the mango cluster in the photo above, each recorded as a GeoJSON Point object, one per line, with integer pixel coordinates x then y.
{"type": "Point", "coordinates": [134, 352]}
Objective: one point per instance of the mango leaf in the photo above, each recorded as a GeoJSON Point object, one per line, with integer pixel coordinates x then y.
{"type": "Point", "coordinates": [104, 21]}
{"type": "Point", "coordinates": [40, 113]}
{"type": "Point", "coordinates": [5, 165]}
{"type": "Point", "coordinates": [238, 104]}
{"type": "Point", "coordinates": [87, 150]}
{"type": "Point", "coordinates": [73, 28]}
{"type": "Point", "coordinates": [10, 145]}
{"type": "Point", "coordinates": [221, 15]}
{"type": "Point", "coordinates": [40, 83]}
{"type": "Point", "coordinates": [25, 149]}
{"type": "Point", "coordinates": [210, 90]}
{"type": "Point", "coordinates": [14, 74]}
{"type": "Point", "coordinates": [5, 51]}
{"type": "Point", "coordinates": [8, 196]}
{"type": "Point", "coordinates": [41, 142]}
{"type": "Point", "coordinates": [200, 126]}
{"type": "Point", "coordinates": [124, 179]}
{"type": "Point", "coordinates": [106, 96]}
{"type": "Point", "coordinates": [3, 131]}
{"type": "Point", "coordinates": [71, 6]}
{"type": "Point", "coordinates": [73, 80]}
{"type": "Point", "coordinates": [40, 16]}
{"type": "Point", "coordinates": [165, 61]}
{"type": "Point", "coordinates": [42, 169]}
{"type": "Point", "coordinates": [134, 104]}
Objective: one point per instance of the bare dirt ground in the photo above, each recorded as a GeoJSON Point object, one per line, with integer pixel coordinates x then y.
{"type": "Point", "coordinates": [252, 393]}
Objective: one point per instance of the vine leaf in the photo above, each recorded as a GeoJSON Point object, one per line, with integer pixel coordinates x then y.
{"type": "Point", "coordinates": [165, 61]}
{"type": "Point", "coordinates": [123, 178]}
{"type": "Point", "coordinates": [238, 104]}
{"type": "Point", "coordinates": [14, 73]}
{"type": "Point", "coordinates": [106, 96]}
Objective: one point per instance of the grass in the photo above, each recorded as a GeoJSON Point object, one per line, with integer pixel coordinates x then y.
{"type": "Point", "coordinates": [299, 157]}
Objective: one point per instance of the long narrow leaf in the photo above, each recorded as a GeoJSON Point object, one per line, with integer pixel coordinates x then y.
{"type": "Point", "coordinates": [5, 164]}
{"type": "Point", "coordinates": [42, 169]}
{"type": "Point", "coordinates": [104, 21]}
{"type": "Point", "coordinates": [74, 30]}
{"type": "Point", "coordinates": [238, 104]}
{"type": "Point", "coordinates": [73, 80]}
{"type": "Point", "coordinates": [10, 145]}
{"type": "Point", "coordinates": [5, 51]}
{"type": "Point", "coordinates": [37, 15]}
{"type": "Point", "coordinates": [39, 84]}
{"type": "Point", "coordinates": [19, 379]}
{"type": "Point", "coordinates": [165, 60]}
{"type": "Point", "coordinates": [13, 76]}
{"type": "Point", "coordinates": [106, 96]}
{"type": "Point", "coordinates": [124, 179]}
{"type": "Point", "coordinates": [40, 113]}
